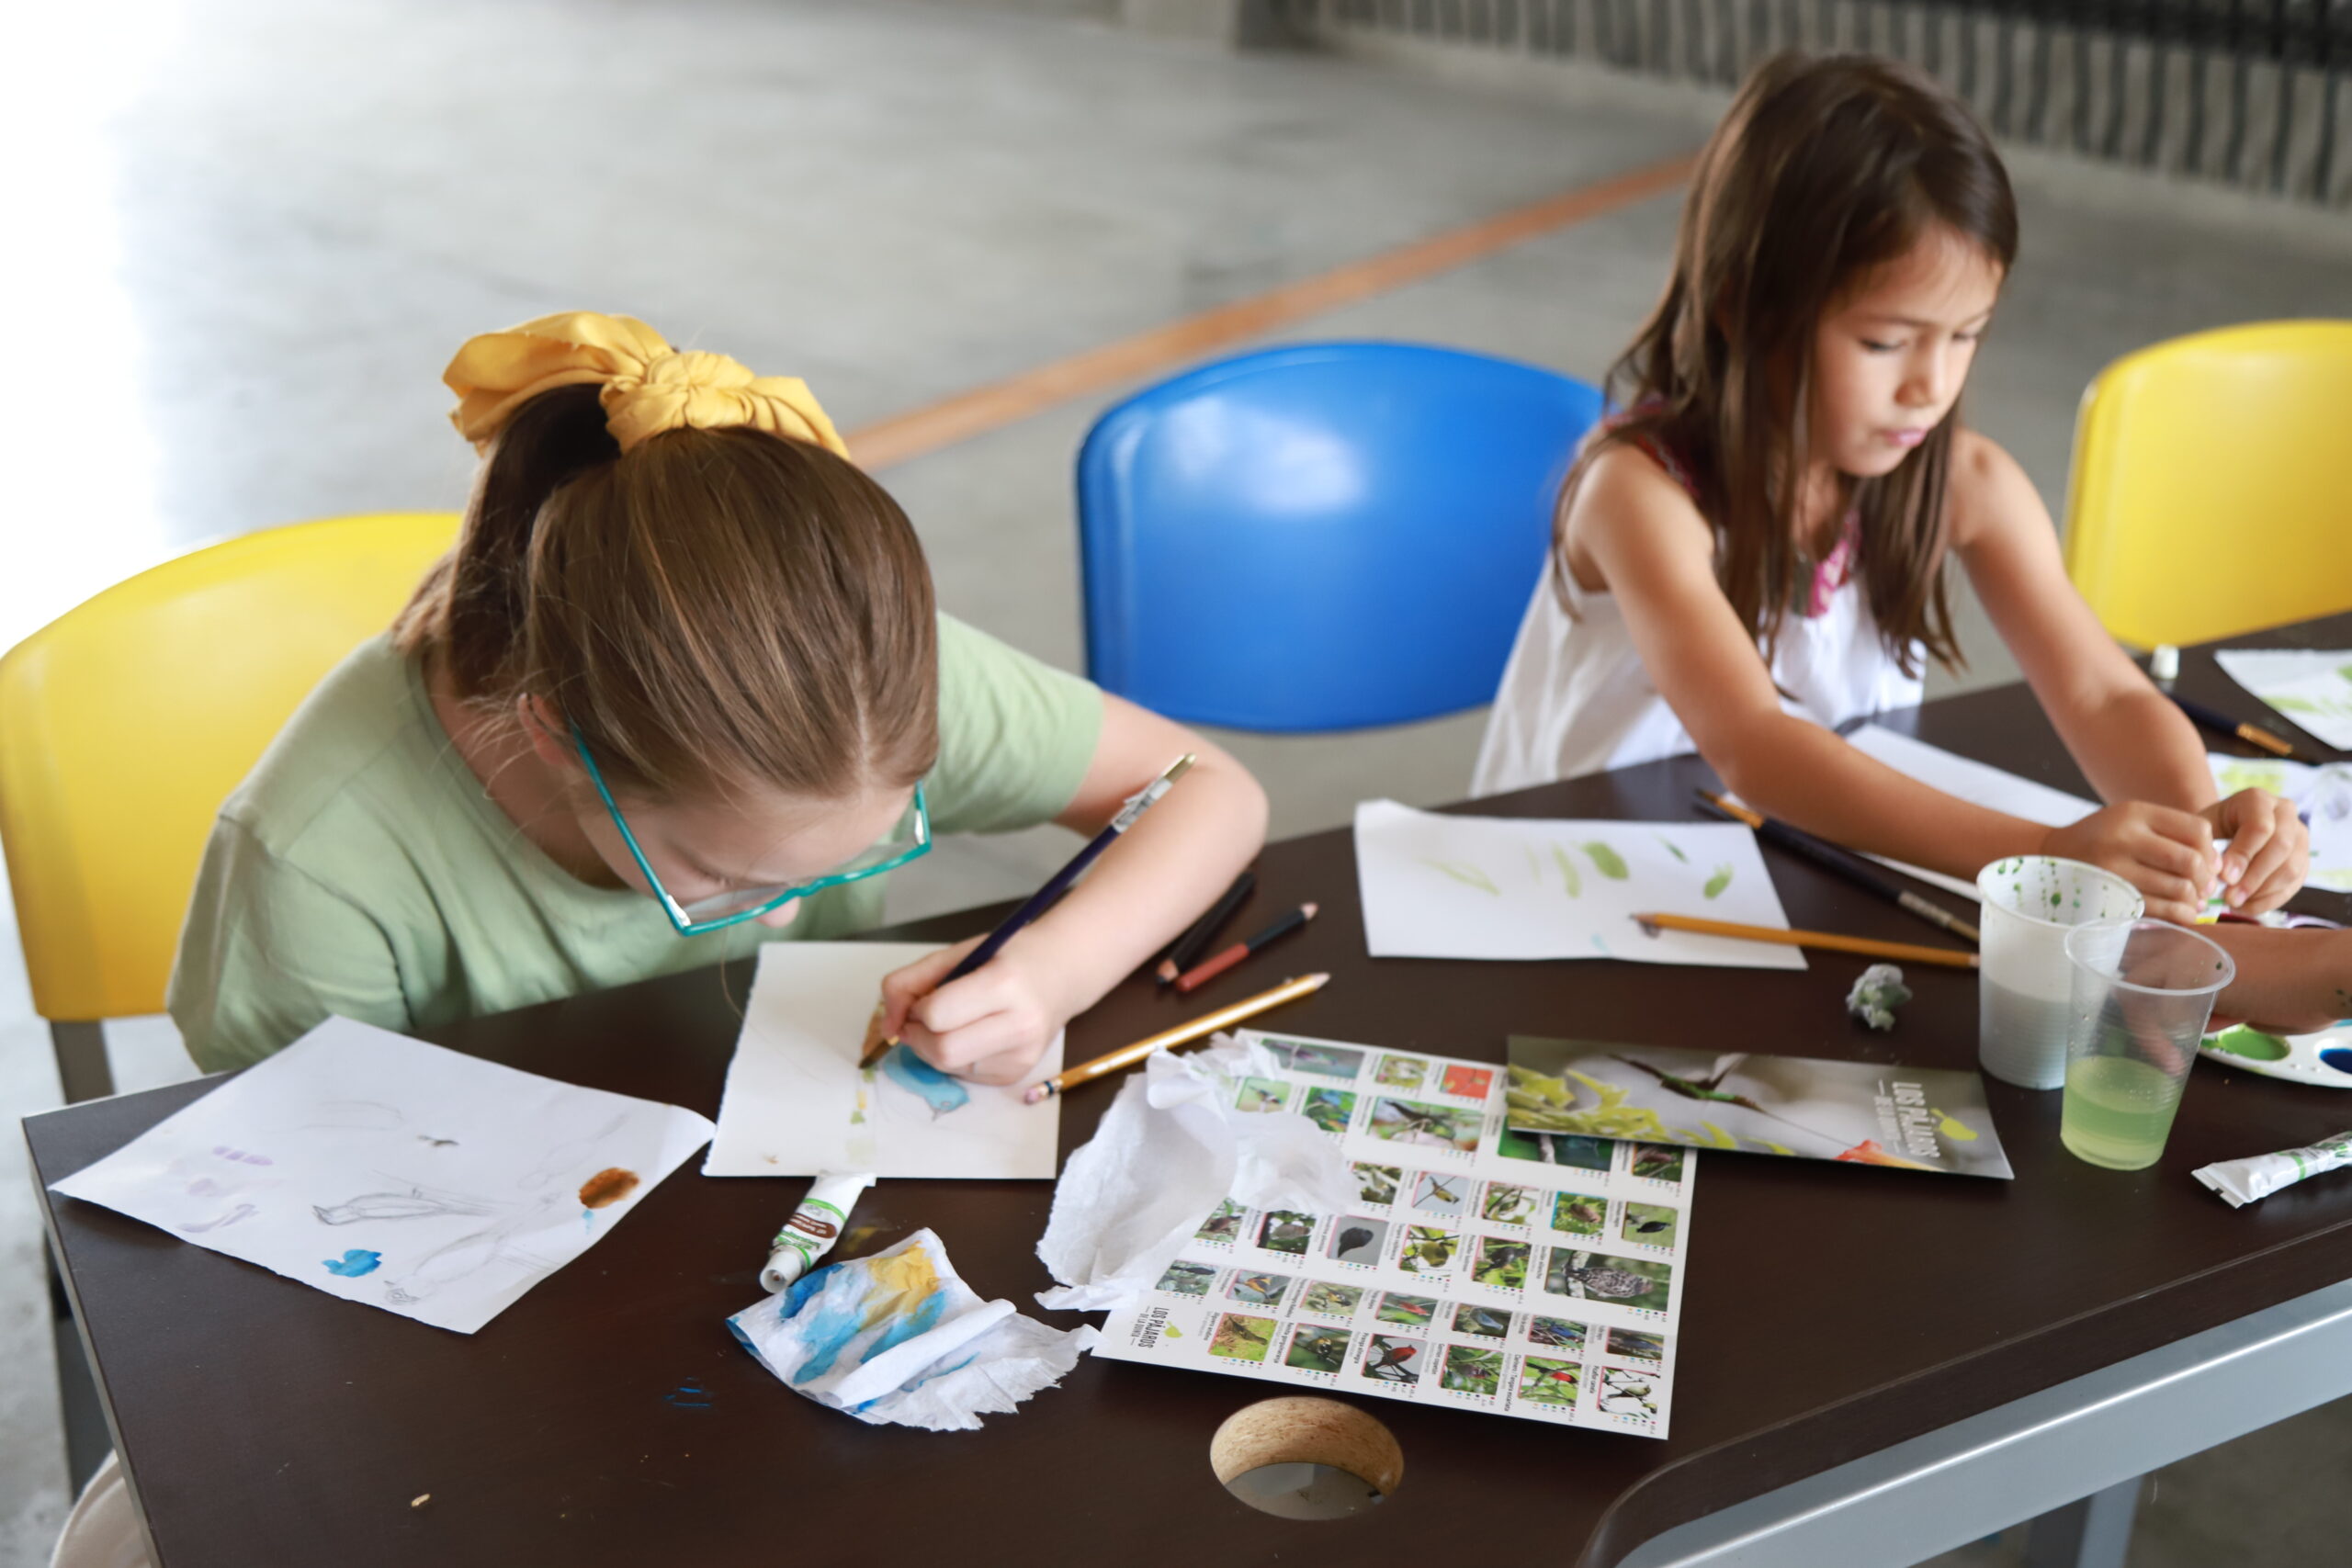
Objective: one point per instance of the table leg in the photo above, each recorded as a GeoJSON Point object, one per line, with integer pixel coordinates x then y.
{"type": "Point", "coordinates": [88, 1442]}
{"type": "Point", "coordinates": [2090, 1532]}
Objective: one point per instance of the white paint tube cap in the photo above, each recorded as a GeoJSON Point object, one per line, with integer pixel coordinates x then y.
{"type": "Point", "coordinates": [2164, 662]}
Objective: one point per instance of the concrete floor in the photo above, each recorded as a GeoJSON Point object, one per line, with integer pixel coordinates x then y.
{"type": "Point", "coordinates": [269, 224]}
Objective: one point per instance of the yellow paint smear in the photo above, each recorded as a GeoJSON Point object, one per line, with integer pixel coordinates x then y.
{"type": "Point", "coordinates": [900, 1284]}
{"type": "Point", "coordinates": [1957, 1131]}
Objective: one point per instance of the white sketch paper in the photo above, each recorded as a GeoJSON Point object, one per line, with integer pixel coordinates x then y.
{"type": "Point", "coordinates": [1979, 784]}
{"type": "Point", "coordinates": [2311, 687]}
{"type": "Point", "coordinates": [385, 1170]}
{"type": "Point", "coordinates": [796, 1102]}
{"type": "Point", "coordinates": [1536, 1275]}
{"type": "Point", "coordinates": [1443, 887]}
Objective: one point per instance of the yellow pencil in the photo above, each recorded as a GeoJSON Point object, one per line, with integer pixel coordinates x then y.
{"type": "Point", "coordinates": [1207, 1023]}
{"type": "Point", "coordinates": [1863, 944]}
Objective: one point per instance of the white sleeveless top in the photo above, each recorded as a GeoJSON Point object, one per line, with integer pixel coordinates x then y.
{"type": "Point", "coordinates": [1577, 699]}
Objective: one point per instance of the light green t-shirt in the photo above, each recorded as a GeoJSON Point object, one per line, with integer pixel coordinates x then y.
{"type": "Point", "coordinates": [361, 869]}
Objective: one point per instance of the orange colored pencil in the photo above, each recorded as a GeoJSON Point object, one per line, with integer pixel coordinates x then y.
{"type": "Point", "coordinates": [1207, 1023]}
{"type": "Point", "coordinates": [1871, 946]}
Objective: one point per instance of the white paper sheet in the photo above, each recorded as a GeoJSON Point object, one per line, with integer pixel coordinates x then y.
{"type": "Point", "coordinates": [2312, 687]}
{"type": "Point", "coordinates": [798, 1103]}
{"type": "Point", "coordinates": [1444, 887]}
{"type": "Point", "coordinates": [1979, 784]}
{"type": "Point", "coordinates": [2324, 796]}
{"type": "Point", "coordinates": [1473, 1267]}
{"type": "Point", "coordinates": [384, 1170]}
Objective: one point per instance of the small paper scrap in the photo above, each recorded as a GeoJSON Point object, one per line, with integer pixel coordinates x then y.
{"type": "Point", "coordinates": [2241, 1181]}
{"type": "Point", "coordinates": [1173, 1143]}
{"type": "Point", "coordinates": [898, 1338]}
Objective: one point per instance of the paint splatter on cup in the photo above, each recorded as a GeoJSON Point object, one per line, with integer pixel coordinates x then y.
{"type": "Point", "coordinates": [2025, 982]}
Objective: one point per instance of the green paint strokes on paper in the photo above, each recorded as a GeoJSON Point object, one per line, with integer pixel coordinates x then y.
{"type": "Point", "coordinates": [1464, 872]}
{"type": "Point", "coordinates": [1672, 848]}
{"type": "Point", "coordinates": [1569, 874]}
{"type": "Point", "coordinates": [1717, 883]}
{"type": "Point", "coordinates": [1607, 861]}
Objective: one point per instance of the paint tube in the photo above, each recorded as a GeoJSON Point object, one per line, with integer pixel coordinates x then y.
{"type": "Point", "coordinates": [2241, 1181]}
{"type": "Point", "coordinates": [814, 1227]}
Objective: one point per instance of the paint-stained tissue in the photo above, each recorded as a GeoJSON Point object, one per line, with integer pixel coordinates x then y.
{"type": "Point", "coordinates": [898, 1338]}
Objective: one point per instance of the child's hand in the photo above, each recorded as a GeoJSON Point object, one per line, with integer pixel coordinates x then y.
{"type": "Point", "coordinates": [990, 1026]}
{"type": "Point", "coordinates": [2167, 854]}
{"type": "Point", "coordinates": [2271, 850]}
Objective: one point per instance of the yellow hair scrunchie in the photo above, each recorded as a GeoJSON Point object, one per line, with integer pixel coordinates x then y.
{"type": "Point", "coordinates": [648, 386]}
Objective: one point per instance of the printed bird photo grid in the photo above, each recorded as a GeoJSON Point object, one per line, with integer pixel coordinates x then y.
{"type": "Point", "coordinates": [1479, 1268]}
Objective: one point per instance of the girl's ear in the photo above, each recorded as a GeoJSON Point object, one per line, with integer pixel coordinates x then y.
{"type": "Point", "coordinates": [550, 743]}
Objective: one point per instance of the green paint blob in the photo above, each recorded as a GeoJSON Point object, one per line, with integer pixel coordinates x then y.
{"type": "Point", "coordinates": [2251, 1043]}
{"type": "Point", "coordinates": [1607, 861]}
{"type": "Point", "coordinates": [1717, 883]}
{"type": "Point", "coordinates": [1568, 876]}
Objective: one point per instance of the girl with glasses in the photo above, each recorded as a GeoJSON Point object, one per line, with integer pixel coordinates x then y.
{"type": "Point", "coordinates": [679, 688]}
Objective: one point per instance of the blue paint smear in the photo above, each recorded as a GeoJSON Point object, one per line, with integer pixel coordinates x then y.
{"type": "Point", "coordinates": [690, 1395]}
{"type": "Point", "coordinates": [826, 1329]}
{"type": "Point", "coordinates": [796, 1295]}
{"type": "Point", "coordinates": [354, 1263]}
{"type": "Point", "coordinates": [921, 1321]}
{"type": "Point", "coordinates": [2339, 1058]}
{"type": "Point", "coordinates": [829, 1323]}
{"type": "Point", "coordinates": [935, 1089]}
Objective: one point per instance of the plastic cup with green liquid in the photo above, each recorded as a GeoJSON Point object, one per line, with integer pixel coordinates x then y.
{"type": "Point", "coordinates": [2141, 1004]}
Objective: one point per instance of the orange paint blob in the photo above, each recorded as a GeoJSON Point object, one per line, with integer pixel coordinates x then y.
{"type": "Point", "coordinates": [607, 1186]}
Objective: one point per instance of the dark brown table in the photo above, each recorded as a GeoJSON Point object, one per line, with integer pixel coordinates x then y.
{"type": "Point", "coordinates": [1830, 1312]}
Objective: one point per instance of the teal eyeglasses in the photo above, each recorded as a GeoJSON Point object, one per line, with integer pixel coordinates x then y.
{"type": "Point", "coordinates": [908, 839]}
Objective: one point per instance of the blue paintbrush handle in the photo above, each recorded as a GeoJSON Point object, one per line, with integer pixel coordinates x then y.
{"type": "Point", "coordinates": [1039, 902]}
{"type": "Point", "coordinates": [1060, 883]}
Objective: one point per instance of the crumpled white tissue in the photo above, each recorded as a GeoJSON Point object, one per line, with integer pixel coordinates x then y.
{"type": "Point", "coordinates": [899, 1338]}
{"type": "Point", "coordinates": [1170, 1145]}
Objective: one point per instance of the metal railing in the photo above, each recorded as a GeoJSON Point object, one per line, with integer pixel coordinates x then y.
{"type": "Point", "coordinates": [2246, 91]}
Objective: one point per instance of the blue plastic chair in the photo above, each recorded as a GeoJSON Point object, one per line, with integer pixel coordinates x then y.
{"type": "Point", "coordinates": [1322, 536]}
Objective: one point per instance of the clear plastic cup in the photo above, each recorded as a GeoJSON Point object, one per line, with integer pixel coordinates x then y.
{"type": "Point", "coordinates": [2025, 986]}
{"type": "Point", "coordinates": [2143, 992]}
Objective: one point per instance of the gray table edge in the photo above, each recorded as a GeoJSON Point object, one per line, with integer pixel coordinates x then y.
{"type": "Point", "coordinates": [1977, 1476]}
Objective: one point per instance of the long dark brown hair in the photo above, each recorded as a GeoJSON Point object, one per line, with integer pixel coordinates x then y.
{"type": "Point", "coordinates": [1822, 171]}
{"type": "Point", "coordinates": [714, 609]}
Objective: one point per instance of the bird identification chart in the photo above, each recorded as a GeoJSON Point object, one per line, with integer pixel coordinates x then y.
{"type": "Point", "coordinates": [1529, 1274]}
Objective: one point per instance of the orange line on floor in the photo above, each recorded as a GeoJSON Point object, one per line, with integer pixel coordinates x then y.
{"type": "Point", "coordinates": [976, 412]}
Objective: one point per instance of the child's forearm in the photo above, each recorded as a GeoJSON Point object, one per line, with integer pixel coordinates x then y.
{"type": "Point", "coordinates": [1793, 769]}
{"type": "Point", "coordinates": [1164, 871]}
{"type": "Point", "coordinates": [2138, 746]}
{"type": "Point", "coordinates": [2289, 982]}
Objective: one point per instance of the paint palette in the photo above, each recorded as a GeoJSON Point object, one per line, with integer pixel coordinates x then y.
{"type": "Point", "coordinates": [2325, 1058]}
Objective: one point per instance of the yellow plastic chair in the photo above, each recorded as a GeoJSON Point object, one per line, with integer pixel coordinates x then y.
{"type": "Point", "coordinates": [126, 722]}
{"type": "Point", "coordinates": [2212, 484]}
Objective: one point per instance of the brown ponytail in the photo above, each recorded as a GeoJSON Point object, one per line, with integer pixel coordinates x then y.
{"type": "Point", "coordinates": [716, 609]}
